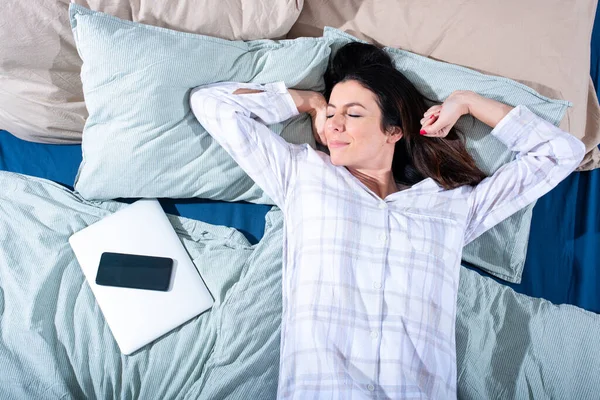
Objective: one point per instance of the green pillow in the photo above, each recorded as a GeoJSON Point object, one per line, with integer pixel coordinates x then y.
{"type": "Point", "coordinates": [501, 250]}
{"type": "Point", "coordinates": [141, 138]}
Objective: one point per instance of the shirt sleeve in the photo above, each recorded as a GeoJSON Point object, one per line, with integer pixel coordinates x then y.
{"type": "Point", "coordinates": [545, 156]}
{"type": "Point", "coordinates": [237, 123]}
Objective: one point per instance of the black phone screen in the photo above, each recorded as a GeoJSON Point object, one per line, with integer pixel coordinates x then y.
{"type": "Point", "coordinates": [134, 271]}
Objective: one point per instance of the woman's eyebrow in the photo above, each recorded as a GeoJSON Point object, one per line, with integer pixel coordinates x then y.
{"type": "Point", "coordinates": [348, 105]}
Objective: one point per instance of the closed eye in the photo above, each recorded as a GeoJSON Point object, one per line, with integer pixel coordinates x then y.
{"type": "Point", "coordinates": [350, 115]}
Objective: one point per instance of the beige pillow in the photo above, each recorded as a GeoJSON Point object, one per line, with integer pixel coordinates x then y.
{"type": "Point", "coordinates": [40, 89]}
{"type": "Point", "coordinates": [544, 44]}
{"type": "Point", "coordinates": [227, 19]}
{"type": "Point", "coordinates": [41, 98]}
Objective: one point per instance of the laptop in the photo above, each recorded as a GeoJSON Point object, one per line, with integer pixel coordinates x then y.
{"type": "Point", "coordinates": [137, 317]}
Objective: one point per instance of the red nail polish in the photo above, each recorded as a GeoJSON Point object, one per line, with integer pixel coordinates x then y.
{"type": "Point", "coordinates": [423, 132]}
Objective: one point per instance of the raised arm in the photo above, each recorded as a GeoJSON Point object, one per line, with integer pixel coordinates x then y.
{"type": "Point", "coordinates": [545, 156]}
{"type": "Point", "coordinates": [237, 123]}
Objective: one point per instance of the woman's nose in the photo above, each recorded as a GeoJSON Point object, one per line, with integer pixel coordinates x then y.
{"type": "Point", "coordinates": [336, 122]}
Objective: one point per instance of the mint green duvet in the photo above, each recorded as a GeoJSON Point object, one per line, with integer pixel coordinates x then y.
{"type": "Point", "coordinates": [54, 343]}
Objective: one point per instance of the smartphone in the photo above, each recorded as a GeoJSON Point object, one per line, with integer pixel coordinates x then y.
{"type": "Point", "coordinates": [134, 271]}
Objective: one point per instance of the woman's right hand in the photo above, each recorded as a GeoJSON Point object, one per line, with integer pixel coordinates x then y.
{"type": "Point", "coordinates": [315, 105]}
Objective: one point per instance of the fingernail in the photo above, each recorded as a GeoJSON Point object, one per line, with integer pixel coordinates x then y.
{"type": "Point", "coordinates": [423, 132]}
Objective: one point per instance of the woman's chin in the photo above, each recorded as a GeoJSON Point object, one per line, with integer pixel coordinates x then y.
{"type": "Point", "coordinates": [337, 161]}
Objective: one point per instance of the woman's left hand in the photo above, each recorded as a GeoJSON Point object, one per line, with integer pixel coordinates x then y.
{"type": "Point", "coordinates": [315, 105]}
{"type": "Point", "coordinates": [438, 120]}
{"type": "Point", "coordinates": [319, 118]}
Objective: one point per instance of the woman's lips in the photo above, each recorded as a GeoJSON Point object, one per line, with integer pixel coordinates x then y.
{"type": "Point", "coordinates": [336, 144]}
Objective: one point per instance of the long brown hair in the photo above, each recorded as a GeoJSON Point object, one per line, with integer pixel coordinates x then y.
{"type": "Point", "coordinates": [416, 157]}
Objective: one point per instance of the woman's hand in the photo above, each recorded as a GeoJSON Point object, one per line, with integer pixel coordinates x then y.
{"type": "Point", "coordinates": [315, 105]}
{"type": "Point", "coordinates": [438, 120]}
{"type": "Point", "coordinates": [319, 118]}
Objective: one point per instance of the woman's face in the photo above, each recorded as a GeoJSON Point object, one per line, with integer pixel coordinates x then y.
{"type": "Point", "coordinates": [353, 129]}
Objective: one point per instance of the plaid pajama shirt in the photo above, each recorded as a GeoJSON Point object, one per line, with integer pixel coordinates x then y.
{"type": "Point", "coordinates": [370, 284]}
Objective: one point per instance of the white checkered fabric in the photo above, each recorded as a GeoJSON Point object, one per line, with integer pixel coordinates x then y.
{"type": "Point", "coordinates": [370, 284]}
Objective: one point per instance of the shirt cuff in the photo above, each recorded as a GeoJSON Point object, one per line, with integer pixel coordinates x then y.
{"type": "Point", "coordinates": [286, 102]}
{"type": "Point", "coordinates": [508, 130]}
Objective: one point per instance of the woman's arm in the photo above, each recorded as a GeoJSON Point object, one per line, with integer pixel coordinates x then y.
{"type": "Point", "coordinates": [545, 156]}
{"type": "Point", "coordinates": [236, 122]}
{"type": "Point", "coordinates": [306, 101]}
{"type": "Point", "coordinates": [488, 111]}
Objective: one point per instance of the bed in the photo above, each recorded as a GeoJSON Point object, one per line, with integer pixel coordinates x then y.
{"type": "Point", "coordinates": [561, 267]}
{"type": "Point", "coordinates": [562, 252]}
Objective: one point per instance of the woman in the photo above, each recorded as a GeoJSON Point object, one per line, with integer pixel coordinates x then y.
{"type": "Point", "coordinates": [374, 230]}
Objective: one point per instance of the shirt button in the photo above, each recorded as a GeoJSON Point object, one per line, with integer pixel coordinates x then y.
{"type": "Point", "coordinates": [374, 334]}
{"type": "Point", "coordinates": [382, 237]}
{"type": "Point", "coordinates": [370, 387]}
{"type": "Point", "coordinates": [382, 206]}
{"type": "Point", "coordinates": [377, 285]}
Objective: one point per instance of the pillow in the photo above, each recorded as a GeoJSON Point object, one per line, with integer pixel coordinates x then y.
{"type": "Point", "coordinates": [40, 90]}
{"type": "Point", "coordinates": [141, 138]}
{"type": "Point", "coordinates": [232, 19]}
{"type": "Point", "coordinates": [41, 98]}
{"type": "Point", "coordinates": [543, 44]}
{"type": "Point", "coordinates": [501, 250]}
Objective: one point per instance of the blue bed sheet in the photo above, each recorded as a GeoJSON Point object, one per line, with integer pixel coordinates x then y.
{"type": "Point", "coordinates": [563, 255]}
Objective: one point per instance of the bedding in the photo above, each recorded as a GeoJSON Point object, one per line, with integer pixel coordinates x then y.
{"type": "Point", "coordinates": [501, 250]}
{"type": "Point", "coordinates": [265, 19]}
{"type": "Point", "coordinates": [531, 347]}
{"type": "Point", "coordinates": [55, 343]}
{"type": "Point", "coordinates": [563, 246]}
{"type": "Point", "coordinates": [543, 44]}
{"type": "Point", "coordinates": [41, 98]}
{"type": "Point", "coordinates": [107, 135]}
{"type": "Point", "coordinates": [511, 346]}
{"type": "Point", "coordinates": [59, 163]}
{"type": "Point", "coordinates": [595, 46]}
{"type": "Point", "coordinates": [564, 253]}
{"type": "Point", "coordinates": [140, 119]}
{"type": "Point", "coordinates": [40, 90]}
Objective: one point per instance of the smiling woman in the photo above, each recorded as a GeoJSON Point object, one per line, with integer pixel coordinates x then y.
{"type": "Point", "coordinates": [370, 271]}
{"type": "Point", "coordinates": [356, 138]}
{"type": "Point", "coordinates": [392, 118]}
